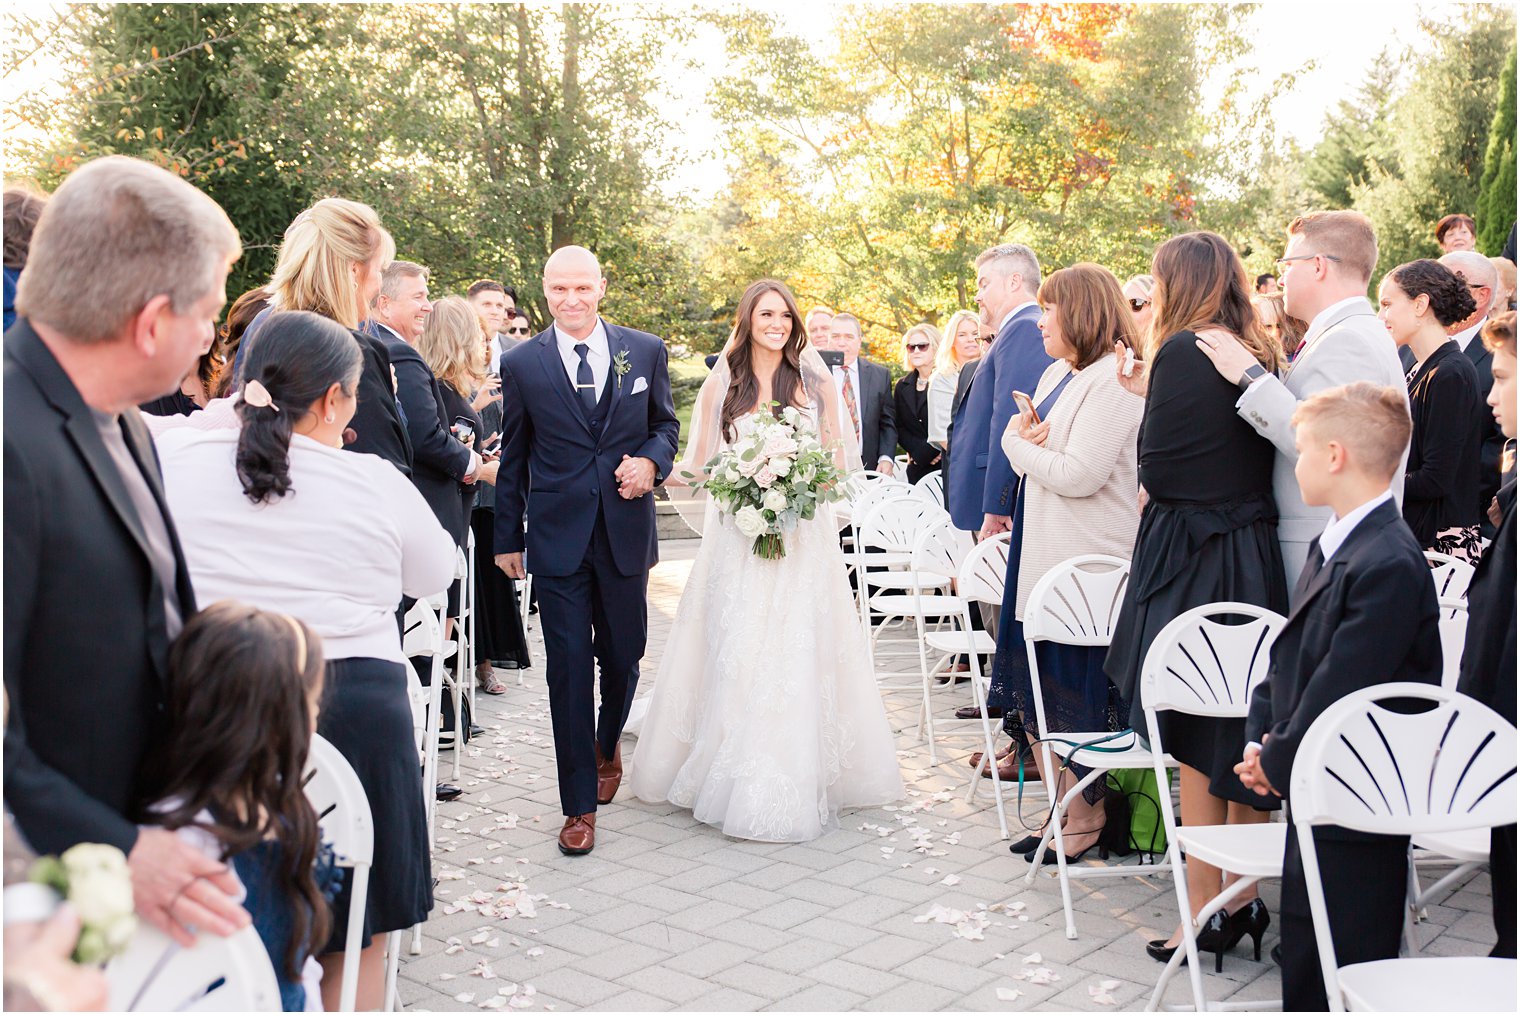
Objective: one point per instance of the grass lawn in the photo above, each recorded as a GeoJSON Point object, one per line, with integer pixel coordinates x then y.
{"type": "Point", "coordinates": [692, 370]}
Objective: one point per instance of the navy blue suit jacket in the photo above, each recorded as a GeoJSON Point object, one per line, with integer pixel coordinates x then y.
{"type": "Point", "coordinates": [982, 481]}
{"type": "Point", "coordinates": [558, 469]}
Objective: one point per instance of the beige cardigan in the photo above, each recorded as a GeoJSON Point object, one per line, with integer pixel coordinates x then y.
{"type": "Point", "coordinates": [1080, 487]}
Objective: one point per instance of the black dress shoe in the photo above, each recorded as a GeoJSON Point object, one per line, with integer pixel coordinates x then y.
{"type": "Point", "coordinates": [447, 792]}
{"type": "Point", "coordinates": [1249, 921]}
{"type": "Point", "coordinates": [1277, 954]}
{"type": "Point", "coordinates": [972, 712]}
{"type": "Point", "coordinates": [1214, 937]}
{"type": "Point", "coordinates": [476, 731]}
{"type": "Point", "coordinates": [1024, 846]}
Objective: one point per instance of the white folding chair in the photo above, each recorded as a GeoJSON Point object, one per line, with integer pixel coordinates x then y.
{"type": "Point", "coordinates": [932, 487]}
{"type": "Point", "coordinates": [1077, 603]}
{"type": "Point", "coordinates": [344, 815]}
{"type": "Point", "coordinates": [424, 637]}
{"type": "Point", "coordinates": [893, 525]}
{"type": "Point", "coordinates": [1364, 767]}
{"type": "Point", "coordinates": [1453, 623]}
{"type": "Point", "coordinates": [1200, 666]}
{"type": "Point", "coordinates": [468, 658]}
{"type": "Point", "coordinates": [1451, 575]}
{"type": "Point", "coordinates": [938, 549]}
{"type": "Point", "coordinates": [214, 974]}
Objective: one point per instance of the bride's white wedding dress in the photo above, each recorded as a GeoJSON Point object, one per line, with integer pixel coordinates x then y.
{"type": "Point", "coordinates": [765, 719]}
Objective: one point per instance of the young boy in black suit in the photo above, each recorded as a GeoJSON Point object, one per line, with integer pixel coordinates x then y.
{"type": "Point", "coordinates": [1363, 613]}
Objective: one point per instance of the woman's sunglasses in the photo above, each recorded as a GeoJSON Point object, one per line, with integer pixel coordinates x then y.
{"type": "Point", "coordinates": [1139, 305]}
{"type": "Point", "coordinates": [917, 346]}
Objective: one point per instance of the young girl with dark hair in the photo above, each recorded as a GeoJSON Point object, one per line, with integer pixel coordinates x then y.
{"type": "Point", "coordinates": [243, 694]}
{"type": "Point", "coordinates": [276, 514]}
{"type": "Point", "coordinates": [1418, 301]}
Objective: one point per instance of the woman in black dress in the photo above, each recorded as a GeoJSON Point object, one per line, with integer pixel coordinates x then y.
{"type": "Point", "coordinates": [912, 400]}
{"type": "Point", "coordinates": [1208, 534]}
{"type": "Point", "coordinates": [1418, 301]}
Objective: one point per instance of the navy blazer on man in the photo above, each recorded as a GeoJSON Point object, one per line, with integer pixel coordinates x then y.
{"type": "Point", "coordinates": [982, 481]}
{"type": "Point", "coordinates": [558, 469]}
{"type": "Point", "coordinates": [1367, 617]}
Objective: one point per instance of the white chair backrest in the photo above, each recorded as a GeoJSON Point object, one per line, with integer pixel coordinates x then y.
{"type": "Point", "coordinates": [417, 697]}
{"type": "Point", "coordinates": [984, 572]}
{"type": "Point", "coordinates": [423, 634]}
{"type": "Point", "coordinates": [1452, 576]}
{"type": "Point", "coordinates": [863, 499]}
{"type": "Point", "coordinates": [343, 811]}
{"type": "Point", "coordinates": [1367, 768]}
{"type": "Point", "coordinates": [1077, 602]}
{"type": "Point", "coordinates": [1453, 639]}
{"type": "Point", "coordinates": [896, 523]}
{"type": "Point", "coordinates": [214, 974]}
{"type": "Point", "coordinates": [941, 549]}
{"type": "Point", "coordinates": [859, 483]}
{"type": "Point", "coordinates": [932, 487]}
{"type": "Point", "coordinates": [1201, 666]}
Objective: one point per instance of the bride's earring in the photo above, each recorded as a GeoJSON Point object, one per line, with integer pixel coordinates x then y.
{"type": "Point", "coordinates": [329, 418]}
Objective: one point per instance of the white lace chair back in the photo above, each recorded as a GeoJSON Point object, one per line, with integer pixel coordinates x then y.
{"type": "Point", "coordinates": [1365, 767]}
{"type": "Point", "coordinates": [1077, 602]}
{"type": "Point", "coordinates": [984, 572]}
{"type": "Point", "coordinates": [1197, 664]}
{"type": "Point", "coordinates": [897, 522]}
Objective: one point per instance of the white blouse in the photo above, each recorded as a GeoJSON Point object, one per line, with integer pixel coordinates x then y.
{"type": "Point", "coordinates": [337, 551]}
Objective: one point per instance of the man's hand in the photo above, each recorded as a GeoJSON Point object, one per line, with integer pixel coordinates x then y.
{"type": "Point", "coordinates": [635, 477]}
{"type": "Point", "coordinates": [993, 524]}
{"type": "Point", "coordinates": [488, 470]}
{"type": "Point", "coordinates": [1495, 513]}
{"type": "Point", "coordinates": [1251, 775]}
{"type": "Point", "coordinates": [1142, 498]}
{"type": "Point", "coordinates": [885, 466]}
{"type": "Point", "coordinates": [511, 565]}
{"type": "Point", "coordinates": [180, 890]}
{"type": "Point", "coordinates": [1224, 350]}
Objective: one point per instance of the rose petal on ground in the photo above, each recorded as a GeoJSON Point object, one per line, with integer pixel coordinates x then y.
{"type": "Point", "coordinates": [950, 880]}
{"type": "Point", "coordinates": [1008, 994]}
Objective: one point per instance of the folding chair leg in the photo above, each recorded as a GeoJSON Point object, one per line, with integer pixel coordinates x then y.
{"type": "Point", "coordinates": [416, 946]}
{"type": "Point", "coordinates": [1411, 907]}
{"type": "Point", "coordinates": [458, 726]}
{"type": "Point", "coordinates": [392, 966]}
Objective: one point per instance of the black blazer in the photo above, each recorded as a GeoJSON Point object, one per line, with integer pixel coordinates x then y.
{"type": "Point", "coordinates": [1488, 658]}
{"type": "Point", "coordinates": [86, 635]}
{"type": "Point", "coordinates": [878, 427]}
{"type": "Point", "coordinates": [439, 461]}
{"type": "Point", "coordinates": [911, 409]}
{"type": "Point", "coordinates": [1491, 454]}
{"type": "Point", "coordinates": [377, 418]}
{"type": "Point", "coordinates": [1367, 617]}
{"type": "Point", "coordinates": [1441, 478]}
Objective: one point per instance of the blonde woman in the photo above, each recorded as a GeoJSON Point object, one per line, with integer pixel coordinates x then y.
{"type": "Point", "coordinates": [911, 398]}
{"type": "Point", "coordinates": [1138, 293]}
{"type": "Point", "coordinates": [962, 344]}
{"type": "Point", "coordinates": [330, 264]}
{"type": "Point", "coordinates": [450, 346]}
{"type": "Point", "coordinates": [1287, 332]}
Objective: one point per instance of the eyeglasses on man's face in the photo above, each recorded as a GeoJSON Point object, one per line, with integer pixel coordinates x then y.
{"type": "Point", "coordinates": [523, 330]}
{"type": "Point", "coordinates": [1283, 262]}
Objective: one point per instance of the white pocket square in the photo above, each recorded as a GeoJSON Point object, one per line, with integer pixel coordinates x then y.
{"type": "Point", "coordinates": [639, 384]}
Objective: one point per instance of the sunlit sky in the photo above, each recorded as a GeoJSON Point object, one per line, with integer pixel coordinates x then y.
{"type": "Point", "coordinates": [1336, 41]}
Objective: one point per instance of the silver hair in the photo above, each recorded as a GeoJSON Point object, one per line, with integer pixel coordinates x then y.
{"type": "Point", "coordinates": [397, 272]}
{"type": "Point", "coordinates": [1475, 268]}
{"type": "Point", "coordinates": [1011, 258]}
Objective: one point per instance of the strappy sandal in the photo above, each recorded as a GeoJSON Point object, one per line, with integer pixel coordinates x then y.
{"type": "Point", "coordinates": [489, 682]}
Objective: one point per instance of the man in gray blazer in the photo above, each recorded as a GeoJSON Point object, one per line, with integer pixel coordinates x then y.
{"type": "Point", "coordinates": [1324, 274]}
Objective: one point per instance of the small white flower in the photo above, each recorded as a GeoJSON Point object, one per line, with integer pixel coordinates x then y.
{"type": "Point", "coordinates": [750, 521]}
{"type": "Point", "coordinates": [775, 500]}
{"type": "Point", "coordinates": [780, 466]}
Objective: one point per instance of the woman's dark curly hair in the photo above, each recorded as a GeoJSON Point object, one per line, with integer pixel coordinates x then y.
{"type": "Point", "coordinates": [1450, 299]}
{"type": "Point", "coordinates": [299, 355]}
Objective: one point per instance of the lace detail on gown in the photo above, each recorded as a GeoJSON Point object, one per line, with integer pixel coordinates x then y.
{"type": "Point", "coordinates": [765, 719]}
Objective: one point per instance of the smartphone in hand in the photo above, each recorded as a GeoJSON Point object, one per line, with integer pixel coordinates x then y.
{"type": "Point", "coordinates": [1026, 406]}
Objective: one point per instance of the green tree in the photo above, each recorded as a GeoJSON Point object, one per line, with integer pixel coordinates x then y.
{"type": "Point", "coordinates": [1356, 138]}
{"type": "Point", "coordinates": [1496, 196]}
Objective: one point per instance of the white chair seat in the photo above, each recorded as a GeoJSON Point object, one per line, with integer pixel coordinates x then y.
{"type": "Point", "coordinates": [906, 580]}
{"type": "Point", "coordinates": [897, 605]}
{"type": "Point", "coordinates": [955, 641]}
{"type": "Point", "coordinates": [1250, 850]}
{"type": "Point", "coordinates": [1430, 984]}
{"type": "Point", "coordinates": [1132, 756]}
{"type": "Point", "coordinates": [1469, 846]}
{"type": "Point", "coordinates": [886, 558]}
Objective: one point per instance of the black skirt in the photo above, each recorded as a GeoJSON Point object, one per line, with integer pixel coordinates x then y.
{"type": "Point", "coordinates": [499, 634]}
{"type": "Point", "coordinates": [1188, 556]}
{"type": "Point", "coordinates": [368, 718]}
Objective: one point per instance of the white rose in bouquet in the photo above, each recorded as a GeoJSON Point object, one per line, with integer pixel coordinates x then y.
{"type": "Point", "coordinates": [775, 500]}
{"type": "Point", "coordinates": [765, 477]}
{"type": "Point", "coordinates": [750, 521]}
{"type": "Point", "coordinates": [779, 446]}
{"type": "Point", "coordinates": [780, 466]}
{"type": "Point", "coordinates": [100, 885]}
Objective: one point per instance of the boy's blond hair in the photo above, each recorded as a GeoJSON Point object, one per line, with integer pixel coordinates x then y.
{"type": "Point", "coordinates": [1368, 420]}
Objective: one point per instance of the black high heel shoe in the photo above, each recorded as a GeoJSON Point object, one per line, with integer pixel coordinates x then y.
{"type": "Point", "coordinates": [1050, 851]}
{"type": "Point", "coordinates": [1212, 938]}
{"type": "Point", "coordinates": [1249, 921]}
{"type": "Point", "coordinates": [1024, 846]}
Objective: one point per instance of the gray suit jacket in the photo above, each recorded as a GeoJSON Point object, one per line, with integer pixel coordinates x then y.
{"type": "Point", "coordinates": [1351, 345]}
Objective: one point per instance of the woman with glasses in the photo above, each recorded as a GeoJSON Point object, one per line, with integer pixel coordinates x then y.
{"type": "Point", "coordinates": [1137, 293]}
{"type": "Point", "coordinates": [911, 400]}
{"type": "Point", "coordinates": [518, 328]}
{"type": "Point", "coordinates": [1208, 534]}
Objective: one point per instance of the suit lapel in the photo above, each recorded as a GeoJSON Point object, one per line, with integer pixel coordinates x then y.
{"type": "Point", "coordinates": [554, 372]}
{"type": "Point", "coordinates": [1477, 351]}
{"type": "Point", "coordinates": [617, 346]}
{"type": "Point", "coordinates": [140, 443]}
{"type": "Point", "coordinates": [1312, 341]}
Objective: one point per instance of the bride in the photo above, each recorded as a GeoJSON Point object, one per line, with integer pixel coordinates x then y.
{"type": "Point", "coordinates": [765, 719]}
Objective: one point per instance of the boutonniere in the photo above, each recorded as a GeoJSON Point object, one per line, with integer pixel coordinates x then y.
{"type": "Point", "coordinates": [621, 366]}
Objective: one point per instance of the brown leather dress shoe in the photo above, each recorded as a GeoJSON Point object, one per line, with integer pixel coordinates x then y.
{"type": "Point", "coordinates": [609, 775]}
{"type": "Point", "coordinates": [579, 834]}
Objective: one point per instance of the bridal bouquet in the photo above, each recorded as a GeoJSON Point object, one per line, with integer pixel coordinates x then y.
{"type": "Point", "coordinates": [95, 880]}
{"type": "Point", "coordinates": [772, 477]}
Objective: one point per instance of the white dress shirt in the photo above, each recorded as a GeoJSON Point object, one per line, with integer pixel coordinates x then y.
{"type": "Point", "coordinates": [1466, 335]}
{"type": "Point", "coordinates": [337, 552]}
{"type": "Point", "coordinates": [598, 356]}
{"type": "Point", "coordinates": [1339, 529]}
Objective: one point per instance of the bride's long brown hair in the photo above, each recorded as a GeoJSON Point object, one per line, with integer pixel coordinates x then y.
{"type": "Point", "coordinates": [743, 385]}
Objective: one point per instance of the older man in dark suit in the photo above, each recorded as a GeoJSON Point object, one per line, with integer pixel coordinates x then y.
{"type": "Point", "coordinates": [1482, 282]}
{"type": "Point", "coordinates": [865, 396]}
{"type": "Point", "coordinates": [89, 544]}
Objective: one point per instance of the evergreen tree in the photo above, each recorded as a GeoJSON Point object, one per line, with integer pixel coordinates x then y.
{"type": "Point", "coordinates": [1496, 198]}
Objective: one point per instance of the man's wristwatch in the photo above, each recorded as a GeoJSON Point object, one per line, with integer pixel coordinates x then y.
{"type": "Point", "coordinates": [1248, 378]}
